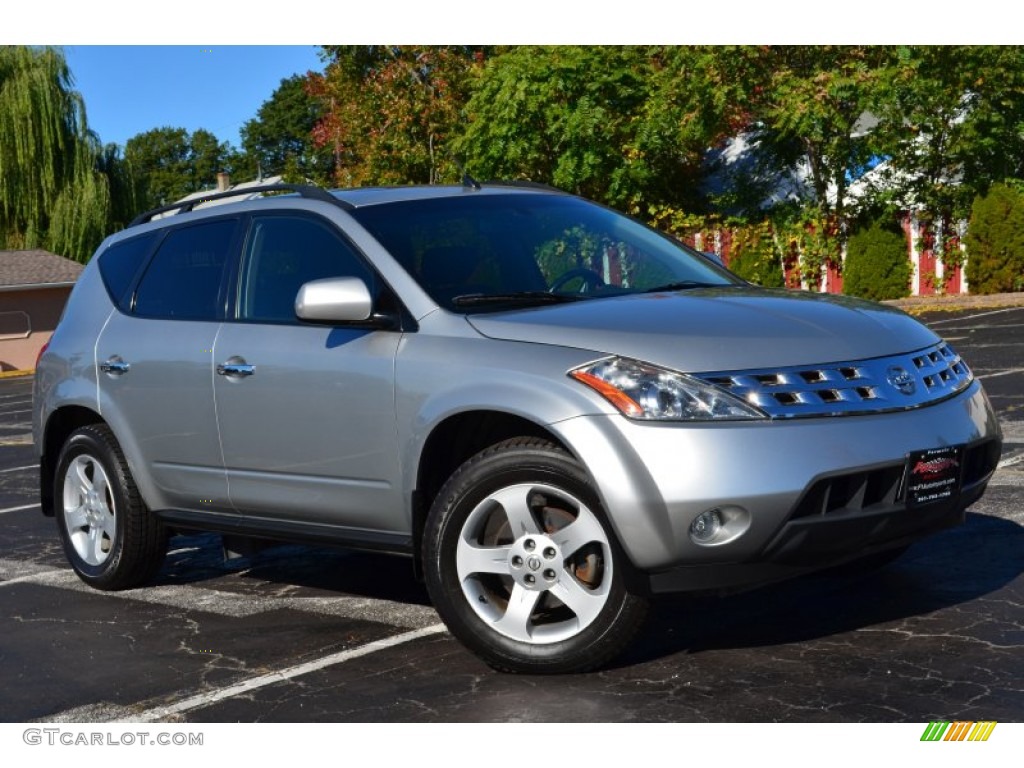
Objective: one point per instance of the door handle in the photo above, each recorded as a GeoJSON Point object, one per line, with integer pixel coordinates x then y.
{"type": "Point", "coordinates": [115, 366]}
{"type": "Point", "coordinates": [235, 369]}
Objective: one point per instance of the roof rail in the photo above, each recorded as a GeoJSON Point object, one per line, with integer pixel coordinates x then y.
{"type": "Point", "coordinates": [304, 190]}
{"type": "Point", "coordinates": [523, 183]}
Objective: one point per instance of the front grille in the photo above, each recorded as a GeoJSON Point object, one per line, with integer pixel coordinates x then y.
{"type": "Point", "coordinates": [880, 384]}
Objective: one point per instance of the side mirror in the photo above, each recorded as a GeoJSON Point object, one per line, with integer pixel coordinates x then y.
{"type": "Point", "coordinates": [334, 300]}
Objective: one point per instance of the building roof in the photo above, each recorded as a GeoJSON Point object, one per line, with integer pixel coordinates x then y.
{"type": "Point", "coordinates": [36, 268]}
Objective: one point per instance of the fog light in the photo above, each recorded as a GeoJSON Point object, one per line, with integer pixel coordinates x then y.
{"type": "Point", "coordinates": [706, 526]}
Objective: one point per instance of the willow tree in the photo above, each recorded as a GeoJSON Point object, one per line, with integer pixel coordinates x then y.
{"type": "Point", "coordinates": [51, 194]}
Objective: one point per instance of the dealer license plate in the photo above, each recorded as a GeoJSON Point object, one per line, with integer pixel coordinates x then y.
{"type": "Point", "coordinates": [933, 475]}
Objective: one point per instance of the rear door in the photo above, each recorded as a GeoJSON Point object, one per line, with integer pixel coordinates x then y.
{"type": "Point", "coordinates": [155, 366]}
{"type": "Point", "coordinates": [306, 411]}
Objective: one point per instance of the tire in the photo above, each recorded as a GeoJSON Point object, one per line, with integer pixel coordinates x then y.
{"type": "Point", "coordinates": [110, 537]}
{"type": "Point", "coordinates": [550, 598]}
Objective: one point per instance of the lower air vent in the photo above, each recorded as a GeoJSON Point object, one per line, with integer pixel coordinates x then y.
{"type": "Point", "coordinates": [851, 493]}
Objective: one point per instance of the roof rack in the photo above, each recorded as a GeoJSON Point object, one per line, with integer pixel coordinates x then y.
{"type": "Point", "coordinates": [304, 190]}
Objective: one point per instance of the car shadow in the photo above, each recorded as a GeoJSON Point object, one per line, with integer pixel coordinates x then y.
{"type": "Point", "coordinates": [310, 571]}
{"type": "Point", "coordinates": [950, 568]}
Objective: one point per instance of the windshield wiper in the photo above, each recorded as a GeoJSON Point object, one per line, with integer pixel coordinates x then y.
{"type": "Point", "coordinates": [684, 285]}
{"type": "Point", "coordinates": [515, 297]}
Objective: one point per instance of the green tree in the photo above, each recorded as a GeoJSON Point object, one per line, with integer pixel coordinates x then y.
{"type": "Point", "coordinates": [125, 190]}
{"type": "Point", "coordinates": [954, 125]}
{"type": "Point", "coordinates": [698, 97]}
{"type": "Point", "coordinates": [820, 101]}
{"type": "Point", "coordinates": [995, 241]}
{"type": "Point", "coordinates": [159, 157]}
{"type": "Point", "coordinates": [562, 115]}
{"type": "Point", "coordinates": [207, 157]}
{"type": "Point", "coordinates": [52, 193]}
{"type": "Point", "coordinates": [171, 163]}
{"type": "Point", "coordinates": [389, 113]}
{"type": "Point", "coordinates": [280, 138]}
{"type": "Point", "coordinates": [814, 108]}
{"type": "Point", "coordinates": [754, 255]}
{"type": "Point", "coordinates": [876, 265]}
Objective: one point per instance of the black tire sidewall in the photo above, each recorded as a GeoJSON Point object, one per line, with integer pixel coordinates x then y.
{"type": "Point", "coordinates": [84, 442]}
{"type": "Point", "coordinates": [499, 467]}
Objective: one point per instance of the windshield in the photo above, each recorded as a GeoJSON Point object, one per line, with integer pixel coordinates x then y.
{"type": "Point", "coordinates": [476, 253]}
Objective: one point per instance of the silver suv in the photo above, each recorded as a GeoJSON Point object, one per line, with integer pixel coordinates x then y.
{"type": "Point", "coordinates": [554, 410]}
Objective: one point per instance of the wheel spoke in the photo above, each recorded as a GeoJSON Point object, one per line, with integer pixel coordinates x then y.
{"type": "Point", "coordinates": [99, 483]}
{"type": "Point", "coordinates": [95, 554]}
{"type": "Point", "coordinates": [108, 525]}
{"type": "Point", "coordinates": [585, 603]}
{"type": "Point", "coordinates": [582, 531]}
{"type": "Point", "coordinates": [515, 502]}
{"type": "Point", "coordinates": [516, 621]}
{"type": "Point", "coordinates": [471, 559]}
{"type": "Point", "coordinates": [75, 518]}
{"type": "Point", "coordinates": [84, 483]}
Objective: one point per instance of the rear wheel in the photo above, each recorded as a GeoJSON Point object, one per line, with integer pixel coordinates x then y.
{"type": "Point", "coordinates": [522, 566]}
{"type": "Point", "coordinates": [110, 538]}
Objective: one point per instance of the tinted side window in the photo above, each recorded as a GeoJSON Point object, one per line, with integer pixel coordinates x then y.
{"type": "Point", "coordinates": [282, 253]}
{"type": "Point", "coordinates": [120, 263]}
{"type": "Point", "coordinates": [184, 278]}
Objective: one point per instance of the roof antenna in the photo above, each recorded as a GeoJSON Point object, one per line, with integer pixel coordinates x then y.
{"type": "Point", "coordinates": [467, 181]}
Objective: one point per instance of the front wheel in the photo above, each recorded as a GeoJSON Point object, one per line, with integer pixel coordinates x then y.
{"type": "Point", "coordinates": [522, 566]}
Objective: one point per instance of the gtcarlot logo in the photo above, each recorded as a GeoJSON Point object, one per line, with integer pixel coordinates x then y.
{"type": "Point", "coordinates": [958, 731]}
{"type": "Point", "coordinates": [72, 738]}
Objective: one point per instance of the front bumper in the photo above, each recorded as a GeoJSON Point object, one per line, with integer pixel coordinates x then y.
{"type": "Point", "coordinates": [655, 479]}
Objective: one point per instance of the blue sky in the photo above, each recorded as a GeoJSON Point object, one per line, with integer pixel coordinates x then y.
{"type": "Point", "coordinates": [131, 89]}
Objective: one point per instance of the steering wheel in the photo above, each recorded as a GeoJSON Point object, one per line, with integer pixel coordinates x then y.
{"type": "Point", "coordinates": [591, 280]}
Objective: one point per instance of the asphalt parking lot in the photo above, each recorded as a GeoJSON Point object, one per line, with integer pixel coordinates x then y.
{"type": "Point", "coordinates": [299, 634]}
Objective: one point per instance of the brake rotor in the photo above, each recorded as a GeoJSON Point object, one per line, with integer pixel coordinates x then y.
{"type": "Point", "coordinates": [585, 567]}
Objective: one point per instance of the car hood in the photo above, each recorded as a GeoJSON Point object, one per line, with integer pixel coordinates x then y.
{"type": "Point", "coordinates": [718, 329]}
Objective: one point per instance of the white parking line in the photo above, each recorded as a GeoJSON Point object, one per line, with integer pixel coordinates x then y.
{"type": "Point", "coordinates": [19, 469]}
{"type": "Point", "coordinates": [18, 509]}
{"type": "Point", "coordinates": [971, 317]}
{"type": "Point", "coordinates": [32, 578]}
{"type": "Point", "coordinates": [19, 571]}
{"type": "Point", "coordinates": [190, 597]}
{"type": "Point", "coordinates": [246, 686]}
{"type": "Point", "coordinates": [1001, 373]}
{"type": "Point", "coordinates": [1010, 462]}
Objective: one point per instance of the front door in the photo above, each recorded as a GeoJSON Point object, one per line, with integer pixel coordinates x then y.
{"type": "Point", "coordinates": [306, 411]}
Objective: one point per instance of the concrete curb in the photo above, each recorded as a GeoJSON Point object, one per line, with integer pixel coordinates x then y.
{"type": "Point", "coordinates": [15, 374]}
{"type": "Point", "coordinates": [917, 305]}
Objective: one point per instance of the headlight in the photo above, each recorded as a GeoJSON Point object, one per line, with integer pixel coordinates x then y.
{"type": "Point", "coordinates": [644, 391]}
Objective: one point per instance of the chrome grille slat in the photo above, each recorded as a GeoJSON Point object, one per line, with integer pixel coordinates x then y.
{"type": "Point", "coordinates": [849, 387]}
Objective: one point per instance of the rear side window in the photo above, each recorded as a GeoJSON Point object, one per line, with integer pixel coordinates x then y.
{"type": "Point", "coordinates": [183, 280]}
{"type": "Point", "coordinates": [281, 254]}
{"type": "Point", "coordinates": [121, 262]}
